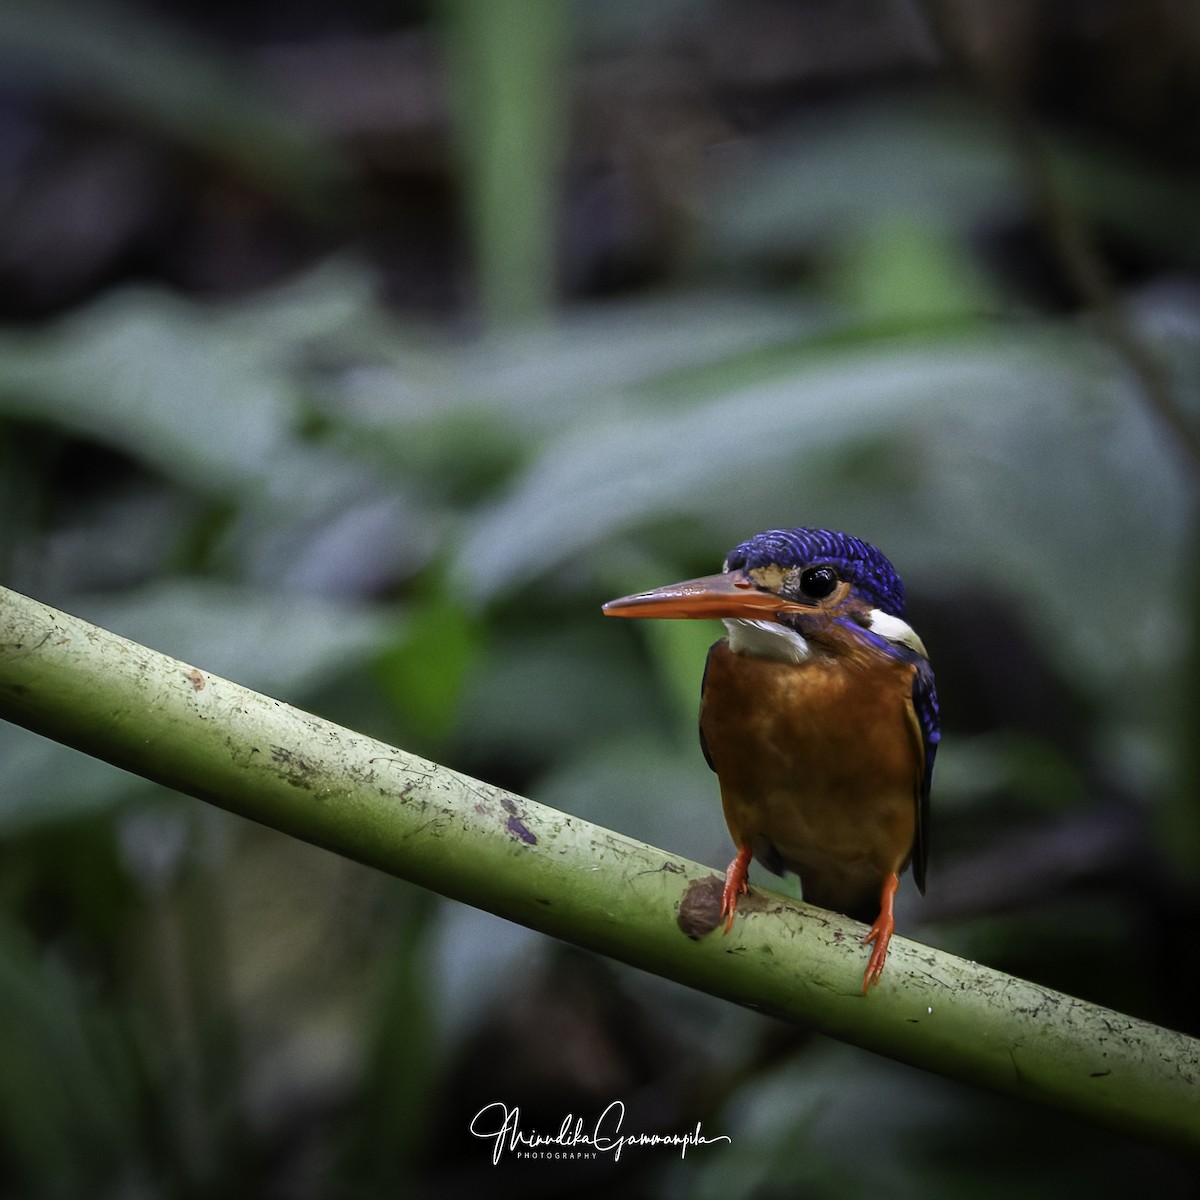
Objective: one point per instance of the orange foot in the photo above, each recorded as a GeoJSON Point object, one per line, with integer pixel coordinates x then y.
{"type": "Point", "coordinates": [880, 933]}
{"type": "Point", "coordinates": [735, 884]}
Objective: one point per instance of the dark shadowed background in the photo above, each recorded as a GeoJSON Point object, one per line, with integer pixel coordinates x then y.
{"type": "Point", "coordinates": [359, 351]}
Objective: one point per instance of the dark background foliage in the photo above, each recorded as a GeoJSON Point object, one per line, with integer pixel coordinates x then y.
{"type": "Point", "coordinates": [359, 351]}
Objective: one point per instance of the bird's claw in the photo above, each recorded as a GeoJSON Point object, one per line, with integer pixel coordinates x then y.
{"type": "Point", "coordinates": [735, 885]}
{"type": "Point", "coordinates": [880, 934]}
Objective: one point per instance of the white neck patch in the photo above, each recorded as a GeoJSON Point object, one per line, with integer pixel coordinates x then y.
{"type": "Point", "coordinates": [769, 639]}
{"type": "Point", "coordinates": [894, 630]}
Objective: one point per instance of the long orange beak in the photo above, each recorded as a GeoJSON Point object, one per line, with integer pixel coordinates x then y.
{"type": "Point", "coordinates": [731, 595]}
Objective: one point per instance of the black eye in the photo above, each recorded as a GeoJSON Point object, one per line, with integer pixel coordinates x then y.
{"type": "Point", "coordinates": [818, 582]}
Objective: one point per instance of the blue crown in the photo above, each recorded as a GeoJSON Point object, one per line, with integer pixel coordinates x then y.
{"type": "Point", "coordinates": [855, 561]}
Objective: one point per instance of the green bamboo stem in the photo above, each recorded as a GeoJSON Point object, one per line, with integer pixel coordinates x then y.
{"type": "Point", "coordinates": [259, 757]}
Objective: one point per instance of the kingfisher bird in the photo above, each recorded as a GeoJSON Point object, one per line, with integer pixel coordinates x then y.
{"type": "Point", "coordinates": [819, 715]}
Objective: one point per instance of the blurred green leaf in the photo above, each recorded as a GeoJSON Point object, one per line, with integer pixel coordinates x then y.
{"type": "Point", "coordinates": [423, 672]}
{"type": "Point", "coordinates": [507, 67]}
{"type": "Point", "coordinates": [755, 439]}
{"type": "Point", "coordinates": [68, 1098]}
{"type": "Point", "coordinates": [904, 274]}
{"type": "Point", "coordinates": [537, 381]}
{"type": "Point", "coordinates": [283, 644]}
{"type": "Point", "coordinates": [209, 394]}
{"type": "Point", "coordinates": [680, 650]}
{"type": "Point", "coordinates": [537, 697]}
{"type": "Point", "coordinates": [390, 1125]}
{"type": "Point", "coordinates": [941, 163]}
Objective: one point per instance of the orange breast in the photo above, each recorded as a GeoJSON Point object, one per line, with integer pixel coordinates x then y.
{"type": "Point", "coordinates": [820, 766]}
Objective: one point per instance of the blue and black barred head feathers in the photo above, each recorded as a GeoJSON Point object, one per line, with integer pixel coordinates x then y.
{"type": "Point", "coordinates": [854, 560]}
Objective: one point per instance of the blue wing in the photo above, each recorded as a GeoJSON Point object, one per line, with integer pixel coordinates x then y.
{"type": "Point", "coordinates": [925, 709]}
{"type": "Point", "coordinates": [703, 680]}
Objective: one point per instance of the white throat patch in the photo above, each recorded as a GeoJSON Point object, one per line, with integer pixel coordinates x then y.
{"type": "Point", "coordinates": [767, 639]}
